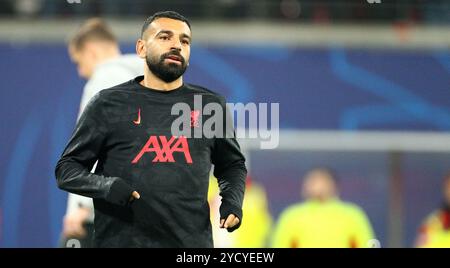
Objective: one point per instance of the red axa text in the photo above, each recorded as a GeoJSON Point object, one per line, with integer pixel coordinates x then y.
{"type": "Point", "coordinates": [164, 149]}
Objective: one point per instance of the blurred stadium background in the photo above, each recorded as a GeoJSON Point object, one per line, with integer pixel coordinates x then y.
{"type": "Point", "coordinates": [363, 87]}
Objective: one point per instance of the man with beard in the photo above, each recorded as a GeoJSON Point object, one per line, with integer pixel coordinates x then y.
{"type": "Point", "coordinates": [150, 186]}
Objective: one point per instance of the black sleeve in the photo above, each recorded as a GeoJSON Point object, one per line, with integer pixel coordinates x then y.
{"type": "Point", "coordinates": [73, 169]}
{"type": "Point", "coordinates": [230, 170]}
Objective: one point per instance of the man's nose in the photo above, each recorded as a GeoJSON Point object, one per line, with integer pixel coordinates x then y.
{"type": "Point", "coordinates": [176, 44]}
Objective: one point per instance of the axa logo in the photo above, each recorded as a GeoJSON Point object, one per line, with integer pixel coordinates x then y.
{"type": "Point", "coordinates": [164, 149]}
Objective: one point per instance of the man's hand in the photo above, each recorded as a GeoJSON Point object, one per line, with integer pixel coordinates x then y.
{"type": "Point", "coordinates": [134, 195]}
{"type": "Point", "coordinates": [230, 222]}
{"type": "Point", "coordinates": [73, 223]}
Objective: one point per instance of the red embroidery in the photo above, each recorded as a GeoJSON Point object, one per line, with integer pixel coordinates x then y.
{"type": "Point", "coordinates": [194, 118]}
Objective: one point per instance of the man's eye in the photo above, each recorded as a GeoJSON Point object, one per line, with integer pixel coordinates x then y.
{"type": "Point", "coordinates": [186, 42]}
{"type": "Point", "coordinates": [164, 37]}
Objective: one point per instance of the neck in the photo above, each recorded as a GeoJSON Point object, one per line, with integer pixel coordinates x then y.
{"type": "Point", "coordinates": [324, 199]}
{"type": "Point", "coordinates": [152, 81]}
{"type": "Point", "coordinates": [106, 55]}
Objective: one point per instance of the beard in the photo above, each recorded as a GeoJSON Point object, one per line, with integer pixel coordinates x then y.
{"type": "Point", "coordinates": [168, 72]}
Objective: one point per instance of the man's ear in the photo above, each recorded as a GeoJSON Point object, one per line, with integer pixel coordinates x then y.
{"type": "Point", "coordinates": [141, 50]}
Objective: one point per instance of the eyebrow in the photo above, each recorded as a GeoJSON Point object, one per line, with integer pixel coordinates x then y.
{"type": "Point", "coordinates": [183, 35]}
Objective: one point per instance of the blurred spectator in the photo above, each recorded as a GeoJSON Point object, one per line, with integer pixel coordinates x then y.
{"type": "Point", "coordinates": [322, 220]}
{"type": "Point", "coordinates": [256, 225]}
{"type": "Point", "coordinates": [95, 51]}
{"type": "Point", "coordinates": [221, 238]}
{"type": "Point", "coordinates": [435, 231]}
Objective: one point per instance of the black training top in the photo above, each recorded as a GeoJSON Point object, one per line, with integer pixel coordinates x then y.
{"type": "Point", "coordinates": [127, 128]}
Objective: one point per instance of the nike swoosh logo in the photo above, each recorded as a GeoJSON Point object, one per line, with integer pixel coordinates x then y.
{"type": "Point", "coordinates": [138, 120]}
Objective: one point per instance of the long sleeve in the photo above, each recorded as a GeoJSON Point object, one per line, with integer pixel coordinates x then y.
{"type": "Point", "coordinates": [230, 170]}
{"type": "Point", "coordinates": [106, 75]}
{"type": "Point", "coordinates": [73, 169]}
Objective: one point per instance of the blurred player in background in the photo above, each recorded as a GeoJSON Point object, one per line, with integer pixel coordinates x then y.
{"type": "Point", "coordinates": [435, 231]}
{"type": "Point", "coordinates": [322, 220]}
{"type": "Point", "coordinates": [95, 51]}
{"type": "Point", "coordinates": [255, 230]}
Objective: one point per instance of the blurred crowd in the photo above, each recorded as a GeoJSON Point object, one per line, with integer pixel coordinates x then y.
{"type": "Point", "coordinates": [325, 11]}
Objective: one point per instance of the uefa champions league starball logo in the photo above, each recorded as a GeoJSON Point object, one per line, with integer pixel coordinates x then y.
{"type": "Point", "coordinates": [73, 243]}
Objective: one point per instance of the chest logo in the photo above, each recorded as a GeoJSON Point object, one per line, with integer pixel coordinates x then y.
{"type": "Point", "coordinates": [164, 149]}
{"type": "Point", "coordinates": [138, 120]}
{"type": "Point", "coordinates": [194, 118]}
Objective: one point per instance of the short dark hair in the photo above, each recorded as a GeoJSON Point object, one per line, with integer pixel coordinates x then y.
{"type": "Point", "coordinates": [92, 30]}
{"type": "Point", "coordinates": [164, 14]}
